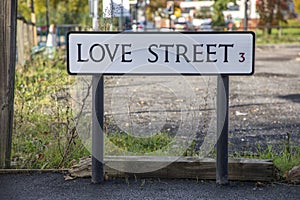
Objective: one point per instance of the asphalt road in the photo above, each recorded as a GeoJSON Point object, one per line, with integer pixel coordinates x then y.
{"type": "Point", "coordinates": [52, 186]}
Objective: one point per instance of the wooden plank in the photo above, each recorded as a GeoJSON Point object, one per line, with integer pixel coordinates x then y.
{"type": "Point", "coordinates": [184, 167]}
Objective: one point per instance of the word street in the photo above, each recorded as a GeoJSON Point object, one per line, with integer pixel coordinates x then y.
{"type": "Point", "coordinates": [160, 53]}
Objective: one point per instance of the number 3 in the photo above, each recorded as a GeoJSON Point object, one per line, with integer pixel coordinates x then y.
{"type": "Point", "coordinates": [242, 58]}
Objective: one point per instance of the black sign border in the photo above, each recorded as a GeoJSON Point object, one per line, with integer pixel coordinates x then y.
{"type": "Point", "coordinates": [164, 74]}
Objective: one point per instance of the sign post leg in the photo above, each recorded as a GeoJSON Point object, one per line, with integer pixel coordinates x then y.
{"type": "Point", "coordinates": [222, 130]}
{"type": "Point", "coordinates": [97, 129]}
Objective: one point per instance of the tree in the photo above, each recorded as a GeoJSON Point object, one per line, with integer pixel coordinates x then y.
{"type": "Point", "coordinates": [217, 15]}
{"type": "Point", "coordinates": [63, 11]}
{"type": "Point", "coordinates": [271, 13]}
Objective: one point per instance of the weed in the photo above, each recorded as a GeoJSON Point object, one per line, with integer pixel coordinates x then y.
{"type": "Point", "coordinates": [143, 183]}
{"type": "Point", "coordinates": [44, 130]}
{"type": "Point", "coordinates": [286, 161]}
{"type": "Point", "coordinates": [284, 157]}
{"type": "Point", "coordinates": [127, 180]}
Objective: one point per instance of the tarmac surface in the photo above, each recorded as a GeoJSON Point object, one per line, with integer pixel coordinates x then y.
{"type": "Point", "coordinates": [52, 186]}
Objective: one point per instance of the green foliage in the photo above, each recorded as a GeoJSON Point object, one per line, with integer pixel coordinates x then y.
{"type": "Point", "coordinates": [44, 131]}
{"type": "Point", "coordinates": [287, 160]}
{"type": "Point", "coordinates": [63, 11]}
{"type": "Point", "coordinates": [284, 157]}
{"type": "Point", "coordinates": [218, 8]}
{"type": "Point", "coordinates": [286, 35]}
{"type": "Point", "coordinates": [292, 22]}
{"type": "Point", "coordinates": [24, 9]}
{"type": "Point", "coordinates": [140, 145]}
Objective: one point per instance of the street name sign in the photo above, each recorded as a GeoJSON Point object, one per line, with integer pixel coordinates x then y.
{"type": "Point", "coordinates": [161, 53]}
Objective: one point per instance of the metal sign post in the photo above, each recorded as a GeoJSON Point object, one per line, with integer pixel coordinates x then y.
{"type": "Point", "coordinates": [97, 129]}
{"type": "Point", "coordinates": [97, 114]}
{"type": "Point", "coordinates": [222, 130]}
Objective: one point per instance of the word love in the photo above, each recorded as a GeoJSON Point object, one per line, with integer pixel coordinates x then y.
{"type": "Point", "coordinates": [157, 52]}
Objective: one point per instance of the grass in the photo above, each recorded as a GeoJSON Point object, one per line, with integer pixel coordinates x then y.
{"type": "Point", "coordinates": [284, 157]}
{"type": "Point", "coordinates": [44, 134]}
{"type": "Point", "coordinates": [289, 34]}
{"type": "Point", "coordinates": [140, 145]}
{"type": "Point", "coordinates": [285, 162]}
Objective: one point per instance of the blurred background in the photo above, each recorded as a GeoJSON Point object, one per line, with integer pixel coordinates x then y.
{"type": "Point", "coordinates": [159, 15]}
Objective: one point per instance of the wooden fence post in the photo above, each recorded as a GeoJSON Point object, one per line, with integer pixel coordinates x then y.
{"type": "Point", "coordinates": [20, 43]}
{"type": "Point", "coordinates": [26, 39]}
{"type": "Point", "coordinates": [8, 13]}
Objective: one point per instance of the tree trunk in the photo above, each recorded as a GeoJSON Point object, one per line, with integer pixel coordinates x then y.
{"type": "Point", "coordinates": [269, 31]}
{"type": "Point", "coordinates": [8, 10]}
{"type": "Point", "coordinates": [270, 22]}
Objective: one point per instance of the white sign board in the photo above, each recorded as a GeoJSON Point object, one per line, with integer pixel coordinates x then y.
{"type": "Point", "coordinates": [116, 8]}
{"type": "Point", "coordinates": [195, 53]}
